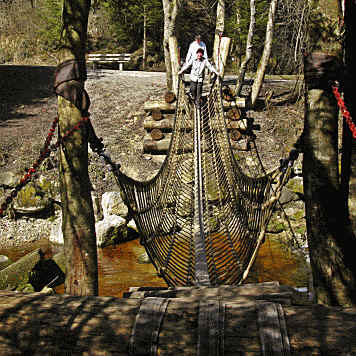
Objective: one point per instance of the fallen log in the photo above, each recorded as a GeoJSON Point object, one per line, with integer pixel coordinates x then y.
{"type": "Point", "coordinates": [157, 134]}
{"type": "Point", "coordinates": [162, 146]}
{"type": "Point", "coordinates": [161, 104]}
{"type": "Point", "coordinates": [235, 135]}
{"type": "Point", "coordinates": [233, 114]}
{"type": "Point", "coordinates": [17, 274]}
{"type": "Point", "coordinates": [156, 114]}
{"type": "Point", "coordinates": [167, 124]}
{"type": "Point", "coordinates": [238, 102]}
{"type": "Point", "coordinates": [40, 324]}
{"type": "Point", "coordinates": [169, 97]}
{"type": "Point", "coordinates": [149, 106]}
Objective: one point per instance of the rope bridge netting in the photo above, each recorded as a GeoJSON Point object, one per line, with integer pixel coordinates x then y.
{"type": "Point", "coordinates": [201, 218]}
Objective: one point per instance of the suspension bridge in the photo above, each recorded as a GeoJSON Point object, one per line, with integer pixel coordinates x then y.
{"type": "Point", "coordinates": [201, 218]}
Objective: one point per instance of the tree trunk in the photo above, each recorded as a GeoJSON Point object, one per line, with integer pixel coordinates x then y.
{"type": "Point", "coordinates": [249, 45]}
{"type": "Point", "coordinates": [170, 9]}
{"type": "Point", "coordinates": [348, 172]}
{"type": "Point", "coordinates": [260, 74]}
{"type": "Point", "coordinates": [223, 53]}
{"type": "Point", "coordinates": [238, 47]}
{"type": "Point", "coordinates": [219, 30]}
{"type": "Point", "coordinates": [173, 50]}
{"type": "Point", "coordinates": [144, 55]}
{"type": "Point", "coordinates": [78, 217]}
{"type": "Point", "coordinates": [331, 244]}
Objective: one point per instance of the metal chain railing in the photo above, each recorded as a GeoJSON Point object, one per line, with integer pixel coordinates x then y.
{"type": "Point", "coordinates": [345, 113]}
{"type": "Point", "coordinates": [44, 153]}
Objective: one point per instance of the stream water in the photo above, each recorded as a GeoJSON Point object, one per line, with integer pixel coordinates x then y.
{"type": "Point", "coordinates": [119, 267]}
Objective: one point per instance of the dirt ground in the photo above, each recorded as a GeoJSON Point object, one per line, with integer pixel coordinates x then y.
{"type": "Point", "coordinates": [28, 106]}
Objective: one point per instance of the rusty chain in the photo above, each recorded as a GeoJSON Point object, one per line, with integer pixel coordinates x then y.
{"type": "Point", "coordinates": [345, 113]}
{"type": "Point", "coordinates": [44, 153]}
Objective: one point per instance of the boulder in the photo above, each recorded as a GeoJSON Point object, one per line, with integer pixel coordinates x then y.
{"type": "Point", "coordinates": [287, 196]}
{"type": "Point", "coordinates": [56, 234]}
{"type": "Point", "coordinates": [8, 179]}
{"type": "Point", "coordinates": [112, 204]}
{"type": "Point", "coordinates": [109, 230]}
{"type": "Point", "coordinates": [4, 261]}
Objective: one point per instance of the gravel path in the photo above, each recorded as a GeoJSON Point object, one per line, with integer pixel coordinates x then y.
{"type": "Point", "coordinates": [117, 100]}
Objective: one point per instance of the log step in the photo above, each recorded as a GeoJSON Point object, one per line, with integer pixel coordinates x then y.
{"type": "Point", "coordinates": [163, 106]}
{"type": "Point", "coordinates": [40, 324]}
{"type": "Point", "coordinates": [166, 124]}
{"type": "Point", "coordinates": [162, 146]}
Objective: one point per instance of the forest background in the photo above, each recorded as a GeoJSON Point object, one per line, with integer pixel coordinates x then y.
{"type": "Point", "coordinates": [30, 30]}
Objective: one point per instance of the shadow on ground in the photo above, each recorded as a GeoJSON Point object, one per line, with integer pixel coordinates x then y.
{"type": "Point", "coordinates": [23, 85]}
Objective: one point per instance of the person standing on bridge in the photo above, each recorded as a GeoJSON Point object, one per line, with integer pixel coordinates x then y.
{"type": "Point", "coordinates": [193, 47]}
{"type": "Point", "coordinates": [198, 64]}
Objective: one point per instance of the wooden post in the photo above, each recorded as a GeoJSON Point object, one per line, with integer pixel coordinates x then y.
{"type": "Point", "coordinates": [173, 49]}
{"type": "Point", "coordinates": [331, 245]}
{"type": "Point", "coordinates": [78, 217]}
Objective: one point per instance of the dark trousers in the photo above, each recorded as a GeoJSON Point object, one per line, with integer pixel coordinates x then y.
{"type": "Point", "coordinates": [196, 90]}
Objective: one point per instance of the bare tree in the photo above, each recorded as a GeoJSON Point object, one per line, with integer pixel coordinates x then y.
{"type": "Point", "coordinates": [219, 29]}
{"type": "Point", "coordinates": [261, 70]}
{"type": "Point", "coordinates": [249, 46]}
{"type": "Point", "coordinates": [170, 9]}
{"type": "Point", "coordinates": [144, 54]}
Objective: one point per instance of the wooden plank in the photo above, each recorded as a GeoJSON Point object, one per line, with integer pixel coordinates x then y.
{"type": "Point", "coordinates": [267, 291]}
{"type": "Point", "coordinates": [273, 336]}
{"type": "Point", "coordinates": [210, 328]}
{"type": "Point", "coordinates": [144, 337]}
{"type": "Point", "coordinates": [104, 56]}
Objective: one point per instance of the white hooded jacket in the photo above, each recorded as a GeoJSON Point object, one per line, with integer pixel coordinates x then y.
{"type": "Point", "coordinates": [197, 71]}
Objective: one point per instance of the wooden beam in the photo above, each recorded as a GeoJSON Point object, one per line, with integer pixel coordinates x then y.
{"type": "Point", "coordinates": [40, 324]}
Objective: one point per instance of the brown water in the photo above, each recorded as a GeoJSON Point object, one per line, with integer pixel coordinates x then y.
{"type": "Point", "coordinates": [119, 269]}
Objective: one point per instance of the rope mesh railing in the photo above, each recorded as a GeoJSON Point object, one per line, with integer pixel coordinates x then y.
{"type": "Point", "coordinates": [201, 218]}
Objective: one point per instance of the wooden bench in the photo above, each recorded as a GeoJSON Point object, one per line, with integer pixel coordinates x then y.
{"type": "Point", "coordinates": [97, 58]}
